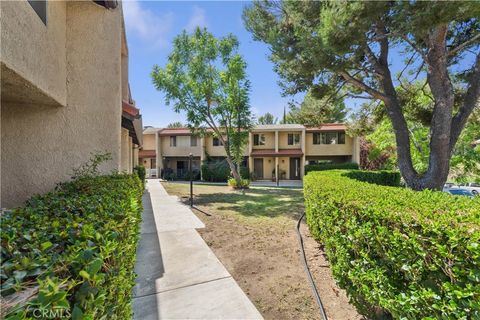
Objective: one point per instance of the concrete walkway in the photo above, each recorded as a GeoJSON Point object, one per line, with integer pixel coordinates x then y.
{"type": "Point", "coordinates": [179, 277]}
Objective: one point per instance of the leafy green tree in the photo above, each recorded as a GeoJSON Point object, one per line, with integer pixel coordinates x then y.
{"type": "Point", "coordinates": [205, 77]}
{"type": "Point", "coordinates": [314, 111]}
{"type": "Point", "coordinates": [334, 46]}
{"type": "Point", "coordinates": [418, 107]}
{"type": "Point", "coordinates": [176, 124]}
{"type": "Point", "coordinates": [267, 118]}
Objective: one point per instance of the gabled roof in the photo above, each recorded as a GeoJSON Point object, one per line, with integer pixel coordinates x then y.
{"type": "Point", "coordinates": [150, 130]}
{"type": "Point", "coordinates": [328, 127]}
{"type": "Point", "coordinates": [273, 127]}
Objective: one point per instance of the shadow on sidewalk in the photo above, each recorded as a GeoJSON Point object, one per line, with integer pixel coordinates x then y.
{"type": "Point", "coordinates": [149, 264]}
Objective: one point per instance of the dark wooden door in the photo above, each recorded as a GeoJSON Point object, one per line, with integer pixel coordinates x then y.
{"type": "Point", "coordinates": [258, 168]}
{"type": "Point", "coordinates": [294, 168]}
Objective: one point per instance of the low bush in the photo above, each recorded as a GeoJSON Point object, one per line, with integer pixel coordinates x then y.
{"type": "Point", "coordinates": [219, 171]}
{"type": "Point", "coordinates": [141, 173]}
{"type": "Point", "coordinates": [244, 183]}
{"type": "Point", "coordinates": [330, 166]}
{"type": "Point", "coordinates": [383, 178]}
{"type": "Point", "coordinates": [406, 254]}
{"type": "Point", "coordinates": [195, 175]}
{"type": "Point", "coordinates": [73, 249]}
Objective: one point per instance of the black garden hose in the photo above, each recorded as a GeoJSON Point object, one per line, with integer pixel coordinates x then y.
{"type": "Point", "coordinates": [307, 270]}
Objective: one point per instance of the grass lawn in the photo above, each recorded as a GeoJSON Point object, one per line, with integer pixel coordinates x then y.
{"type": "Point", "coordinates": [253, 235]}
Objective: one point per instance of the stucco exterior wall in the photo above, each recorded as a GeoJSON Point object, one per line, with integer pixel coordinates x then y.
{"type": "Point", "coordinates": [213, 151]}
{"type": "Point", "coordinates": [283, 140]}
{"type": "Point", "coordinates": [269, 140]}
{"type": "Point", "coordinates": [148, 142]}
{"type": "Point", "coordinates": [182, 149]}
{"type": "Point", "coordinates": [284, 165]}
{"type": "Point", "coordinates": [37, 52]}
{"type": "Point", "coordinates": [40, 144]}
{"type": "Point", "coordinates": [328, 149]}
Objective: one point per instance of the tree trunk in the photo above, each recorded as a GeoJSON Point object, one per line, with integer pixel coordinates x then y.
{"type": "Point", "coordinates": [233, 168]}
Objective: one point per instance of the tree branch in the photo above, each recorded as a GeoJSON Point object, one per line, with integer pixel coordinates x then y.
{"type": "Point", "coordinates": [463, 45]}
{"type": "Point", "coordinates": [361, 85]}
{"type": "Point", "coordinates": [471, 101]}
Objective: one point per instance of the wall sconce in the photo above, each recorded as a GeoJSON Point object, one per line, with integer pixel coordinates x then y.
{"type": "Point", "coordinates": [283, 160]}
{"type": "Point", "coordinates": [144, 161]}
{"type": "Point", "coordinates": [269, 160]}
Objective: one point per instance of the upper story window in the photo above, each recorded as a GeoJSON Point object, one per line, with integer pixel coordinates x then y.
{"type": "Point", "coordinates": [173, 141]}
{"type": "Point", "coordinates": [217, 142]}
{"type": "Point", "coordinates": [40, 8]}
{"type": "Point", "coordinates": [293, 139]}
{"type": "Point", "coordinates": [193, 141]}
{"type": "Point", "coordinates": [259, 139]}
{"type": "Point", "coordinates": [329, 138]}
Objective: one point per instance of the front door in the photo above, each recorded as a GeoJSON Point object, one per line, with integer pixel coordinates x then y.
{"type": "Point", "coordinates": [258, 168]}
{"type": "Point", "coordinates": [294, 168]}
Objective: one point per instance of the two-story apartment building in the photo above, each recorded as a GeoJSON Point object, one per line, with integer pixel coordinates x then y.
{"type": "Point", "coordinates": [64, 93]}
{"type": "Point", "coordinates": [273, 151]}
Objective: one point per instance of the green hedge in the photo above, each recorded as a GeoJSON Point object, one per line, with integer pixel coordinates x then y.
{"type": "Point", "coordinates": [383, 178]}
{"type": "Point", "coordinates": [330, 166]}
{"type": "Point", "coordinates": [219, 171]}
{"type": "Point", "coordinates": [77, 246]}
{"type": "Point", "coordinates": [414, 255]}
{"type": "Point", "coordinates": [141, 173]}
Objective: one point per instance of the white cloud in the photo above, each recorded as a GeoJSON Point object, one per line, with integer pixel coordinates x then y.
{"type": "Point", "coordinates": [198, 19]}
{"type": "Point", "coordinates": [146, 24]}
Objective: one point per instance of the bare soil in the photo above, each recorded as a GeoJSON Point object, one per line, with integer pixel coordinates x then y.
{"type": "Point", "coordinates": [258, 245]}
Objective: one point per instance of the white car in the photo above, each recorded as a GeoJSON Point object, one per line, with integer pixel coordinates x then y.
{"type": "Point", "coordinates": [472, 187]}
{"type": "Point", "coordinates": [449, 185]}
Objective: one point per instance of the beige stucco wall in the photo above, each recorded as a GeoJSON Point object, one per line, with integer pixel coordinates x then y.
{"type": "Point", "coordinates": [40, 144]}
{"type": "Point", "coordinates": [213, 151]}
{"type": "Point", "coordinates": [148, 142]}
{"type": "Point", "coordinates": [328, 149]}
{"type": "Point", "coordinates": [283, 140]}
{"type": "Point", "coordinates": [37, 52]}
{"type": "Point", "coordinates": [269, 140]}
{"type": "Point", "coordinates": [182, 149]}
{"type": "Point", "coordinates": [284, 164]}
{"type": "Point", "coordinates": [126, 147]}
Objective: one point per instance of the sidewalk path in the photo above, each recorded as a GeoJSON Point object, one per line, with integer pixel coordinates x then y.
{"type": "Point", "coordinates": [178, 276]}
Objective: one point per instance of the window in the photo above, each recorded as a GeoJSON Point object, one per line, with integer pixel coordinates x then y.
{"type": "Point", "coordinates": [259, 139]}
{"type": "Point", "coordinates": [329, 138]}
{"type": "Point", "coordinates": [341, 138]}
{"type": "Point", "coordinates": [40, 8]}
{"type": "Point", "coordinates": [217, 142]}
{"type": "Point", "coordinates": [173, 141]}
{"type": "Point", "coordinates": [193, 141]}
{"type": "Point", "coordinates": [293, 139]}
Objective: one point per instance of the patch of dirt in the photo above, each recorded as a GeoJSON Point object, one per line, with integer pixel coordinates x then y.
{"type": "Point", "coordinates": [265, 261]}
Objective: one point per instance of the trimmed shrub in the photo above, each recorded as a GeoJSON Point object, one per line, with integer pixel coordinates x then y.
{"type": "Point", "coordinates": [383, 178]}
{"type": "Point", "coordinates": [141, 173]}
{"type": "Point", "coordinates": [74, 249]}
{"type": "Point", "coordinates": [413, 255]}
{"type": "Point", "coordinates": [215, 171]}
{"type": "Point", "coordinates": [244, 183]}
{"type": "Point", "coordinates": [219, 171]}
{"type": "Point", "coordinates": [330, 166]}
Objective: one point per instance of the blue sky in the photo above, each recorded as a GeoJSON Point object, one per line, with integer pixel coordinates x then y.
{"type": "Point", "coordinates": [151, 27]}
